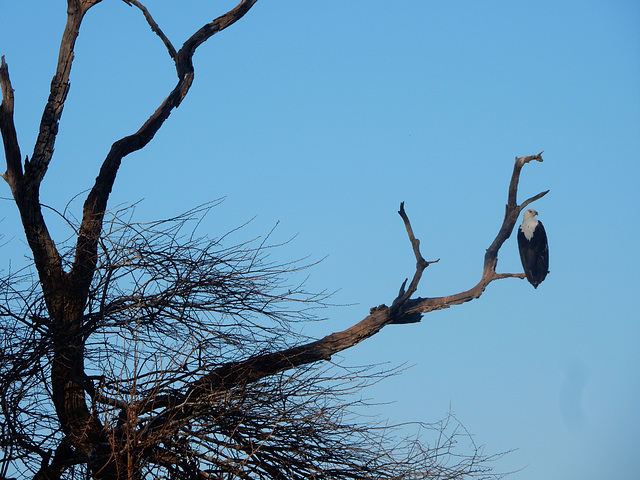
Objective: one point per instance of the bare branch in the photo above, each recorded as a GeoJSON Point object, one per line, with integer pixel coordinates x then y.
{"type": "Point", "coordinates": [513, 186]}
{"type": "Point", "coordinates": [524, 204]}
{"type": "Point", "coordinates": [13, 175]}
{"type": "Point", "coordinates": [154, 26]}
{"type": "Point", "coordinates": [207, 31]}
{"type": "Point", "coordinates": [43, 150]}
{"type": "Point", "coordinates": [500, 276]}
{"type": "Point", "coordinates": [512, 212]}
{"type": "Point", "coordinates": [421, 264]}
{"type": "Point", "coordinates": [53, 470]}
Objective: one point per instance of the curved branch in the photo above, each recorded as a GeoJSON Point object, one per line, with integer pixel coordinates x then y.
{"type": "Point", "coordinates": [255, 368]}
{"type": "Point", "coordinates": [210, 29]}
{"type": "Point", "coordinates": [207, 390]}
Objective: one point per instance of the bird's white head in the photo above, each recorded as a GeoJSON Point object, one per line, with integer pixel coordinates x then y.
{"type": "Point", "coordinates": [529, 223]}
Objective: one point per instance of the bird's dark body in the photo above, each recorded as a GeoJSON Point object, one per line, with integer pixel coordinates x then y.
{"type": "Point", "coordinates": [534, 254]}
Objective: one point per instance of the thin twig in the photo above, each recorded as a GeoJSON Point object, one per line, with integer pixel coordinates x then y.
{"type": "Point", "coordinates": [154, 26]}
{"type": "Point", "coordinates": [421, 264]}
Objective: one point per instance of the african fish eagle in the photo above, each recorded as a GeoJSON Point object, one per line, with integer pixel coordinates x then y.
{"type": "Point", "coordinates": [534, 250]}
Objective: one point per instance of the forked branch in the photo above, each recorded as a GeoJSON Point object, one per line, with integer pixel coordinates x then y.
{"type": "Point", "coordinates": [421, 264]}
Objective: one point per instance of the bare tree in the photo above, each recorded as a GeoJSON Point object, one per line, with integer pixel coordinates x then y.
{"type": "Point", "coordinates": [148, 351]}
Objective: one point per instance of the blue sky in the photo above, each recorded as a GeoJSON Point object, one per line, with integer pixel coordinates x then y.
{"type": "Point", "coordinates": [325, 115]}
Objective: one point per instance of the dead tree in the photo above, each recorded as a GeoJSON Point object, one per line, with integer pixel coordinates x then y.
{"type": "Point", "coordinates": [141, 351]}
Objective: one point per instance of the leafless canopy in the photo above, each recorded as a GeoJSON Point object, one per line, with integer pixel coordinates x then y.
{"type": "Point", "coordinates": [147, 351]}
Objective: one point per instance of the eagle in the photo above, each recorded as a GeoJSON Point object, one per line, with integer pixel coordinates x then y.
{"type": "Point", "coordinates": [534, 250]}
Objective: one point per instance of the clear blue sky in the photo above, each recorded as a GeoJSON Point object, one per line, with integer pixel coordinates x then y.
{"type": "Point", "coordinates": [324, 115]}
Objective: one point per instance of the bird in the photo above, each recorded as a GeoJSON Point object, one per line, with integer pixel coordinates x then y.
{"type": "Point", "coordinates": [534, 249]}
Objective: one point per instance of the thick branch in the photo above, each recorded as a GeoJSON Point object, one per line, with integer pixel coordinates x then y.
{"type": "Point", "coordinates": [43, 150]}
{"type": "Point", "coordinates": [81, 427]}
{"type": "Point", "coordinates": [205, 391]}
{"type": "Point", "coordinates": [258, 367]}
